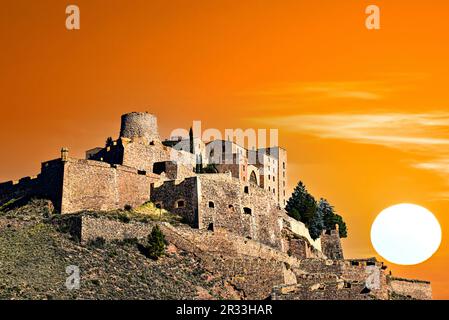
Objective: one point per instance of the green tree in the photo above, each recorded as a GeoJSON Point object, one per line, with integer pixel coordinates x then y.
{"type": "Point", "coordinates": [316, 225]}
{"type": "Point", "coordinates": [301, 205]}
{"type": "Point", "coordinates": [155, 247]}
{"type": "Point", "coordinates": [331, 219]}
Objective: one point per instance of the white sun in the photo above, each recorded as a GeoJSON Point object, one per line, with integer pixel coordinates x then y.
{"type": "Point", "coordinates": [406, 234]}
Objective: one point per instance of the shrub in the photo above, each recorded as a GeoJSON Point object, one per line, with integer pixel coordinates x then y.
{"type": "Point", "coordinates": [155, 246]}
{"type": "Point", "coordinates": [98, 242]}
{"type": "Point", "coordinates": [123, 217]}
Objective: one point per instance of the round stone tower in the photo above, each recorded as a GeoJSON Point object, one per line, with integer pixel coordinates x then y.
{"type": "Point", "coordinates": [139, 125]}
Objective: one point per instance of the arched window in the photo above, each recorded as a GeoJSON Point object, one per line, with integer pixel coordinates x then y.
{"type": "Point", "coordinates": [246, 189]}
{"type": "Point", "coordinates": [231, 207]}
{"type": "Point", "coordinates": [247, 210]}
{"type": "Point", "coordinates": [253, 177]}
{"type": "Point", "coordinates": [211, 204]}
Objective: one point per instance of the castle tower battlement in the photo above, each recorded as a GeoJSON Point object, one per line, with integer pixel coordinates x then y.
{"type": "Point", "coordinates": [139, 125]}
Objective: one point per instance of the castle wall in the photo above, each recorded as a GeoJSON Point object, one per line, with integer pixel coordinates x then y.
{"type": "Point", "coordinates": [170, 170]}
{"type": "Point", "coordinates": [142, 156]}
{"type": "Point", "coordinates": [214, 201]}
{"type": "Point", "coordinates": [361, 271]}
{"type": "Point", "coordinates": [48, 184]}
{"type": "Point", "coordinates": [322, 287]}
{"type": "Point", "coordinates": [170, 194]}
{"type": "Point", "coordinates": [13, 190]}
{"type": "Point", "coordinates": [414, 289]}
{"type": "Point", "coordinates": [254, 215]}
{"type": "Point", "coordinates": [298, 228]}
{"type": "Point", "coordinates": [331, 245]}
{"type": "Point", "coordinates": [249, 266]}
{"type": "Point", "coordinates": [94, 185]}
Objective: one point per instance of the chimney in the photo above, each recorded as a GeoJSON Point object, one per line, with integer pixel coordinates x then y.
{"type": "Point", "coordinates": [64, 154]}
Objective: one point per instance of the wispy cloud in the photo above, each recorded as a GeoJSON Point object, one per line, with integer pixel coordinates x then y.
{"type": "Point", "coordinates": [361, 90]}
{"type": "Point", "coordinates": [397, 130]}
{"type": "Point", "coordinates": [425, 134]}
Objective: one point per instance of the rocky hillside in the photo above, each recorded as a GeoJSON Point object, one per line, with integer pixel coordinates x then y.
{"type": "Point", "coordinates": [34, 255]}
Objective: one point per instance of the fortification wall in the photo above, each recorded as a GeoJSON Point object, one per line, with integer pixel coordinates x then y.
{"type": "Point", "coordinates": [244, 209]}
{"type": "Point", "coordinates": [249, 266]}
{"type": "Point", "coordinates": [143, 156]}
{"type": "Point", "coordinates": [331, 245]}
{"type": "Point", "coordinates": [322, 287]}
{"type": "Point", "coordinates": [170, 194]}
{"type": "Point", "coordinates": [48, 184]}
{"type": "Point", "coordinates": [13, 190]}
{"type": "Point", "coordinates": [300, 229]}
{"type": "Point", "coordinates": [412, 289]}
{"type": "Point", "coordinates": [361, 271]}
{"type": "Point", "coordinates": [94, 185]}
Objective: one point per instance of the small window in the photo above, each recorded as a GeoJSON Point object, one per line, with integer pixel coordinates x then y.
{"type": "Point", "coordinates": [354, 263]}
{"type": "Point", "coordinates": [283, 165]}
{"type": "Point", "coordinates": [180, 204]}
{"type": "Point", "coordinates": [274, 179]}
{"type": "Point", "coordinates": [246, 189]}
{"type": "Point", "coordinates": [247, 210]}
{"type": "Point", "coordinates": [348, 285]}
{"type": "Point", "coordinates": [269, 188]}
{"type": "Point", "coordinates": [211, 204]}
{"type": "Point", "coordinates": [141, 172]}
{"type": "Point", "coordinates": [231, 207]}
{"type": "Point", "coordinates": [210, 227]}
{"type": "Point", "coordinates": [158, 205]}
{"type": "Point", "coordinates": [274, 190]}
{"type": "Point", "coordinates": [152, 143]}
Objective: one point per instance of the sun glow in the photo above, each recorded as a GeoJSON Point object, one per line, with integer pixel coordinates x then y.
{"type": "Point", "coordinates": [406, 234]}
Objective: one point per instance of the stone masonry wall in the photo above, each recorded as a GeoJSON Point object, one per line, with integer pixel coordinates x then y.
{"type": "Point", "coordinates": [94, 185]}
{"type": "Point", "coordinates": [142, 156]}
{"type": "Point", "coordinates": [331, 245]}
{"type": "Point", "coordinates": [249, 266]}
{"type": "Point", "coordinates": [224, 203]}
{"type": "Point", "coordinates": [407, 288]}
{"type": "Point", "coordinates": [179, 197]}
{"type": "Point", "coordinates": [322, 287]}
{"type": "Point", "coordinates": [47, 184]}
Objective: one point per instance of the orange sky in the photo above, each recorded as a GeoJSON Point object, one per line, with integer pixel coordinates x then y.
{"type": "Point", "coordinates": [364, 114]}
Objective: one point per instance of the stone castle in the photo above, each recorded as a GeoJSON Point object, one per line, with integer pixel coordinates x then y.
{"type": "Point", "coordinates": [243, 195]}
